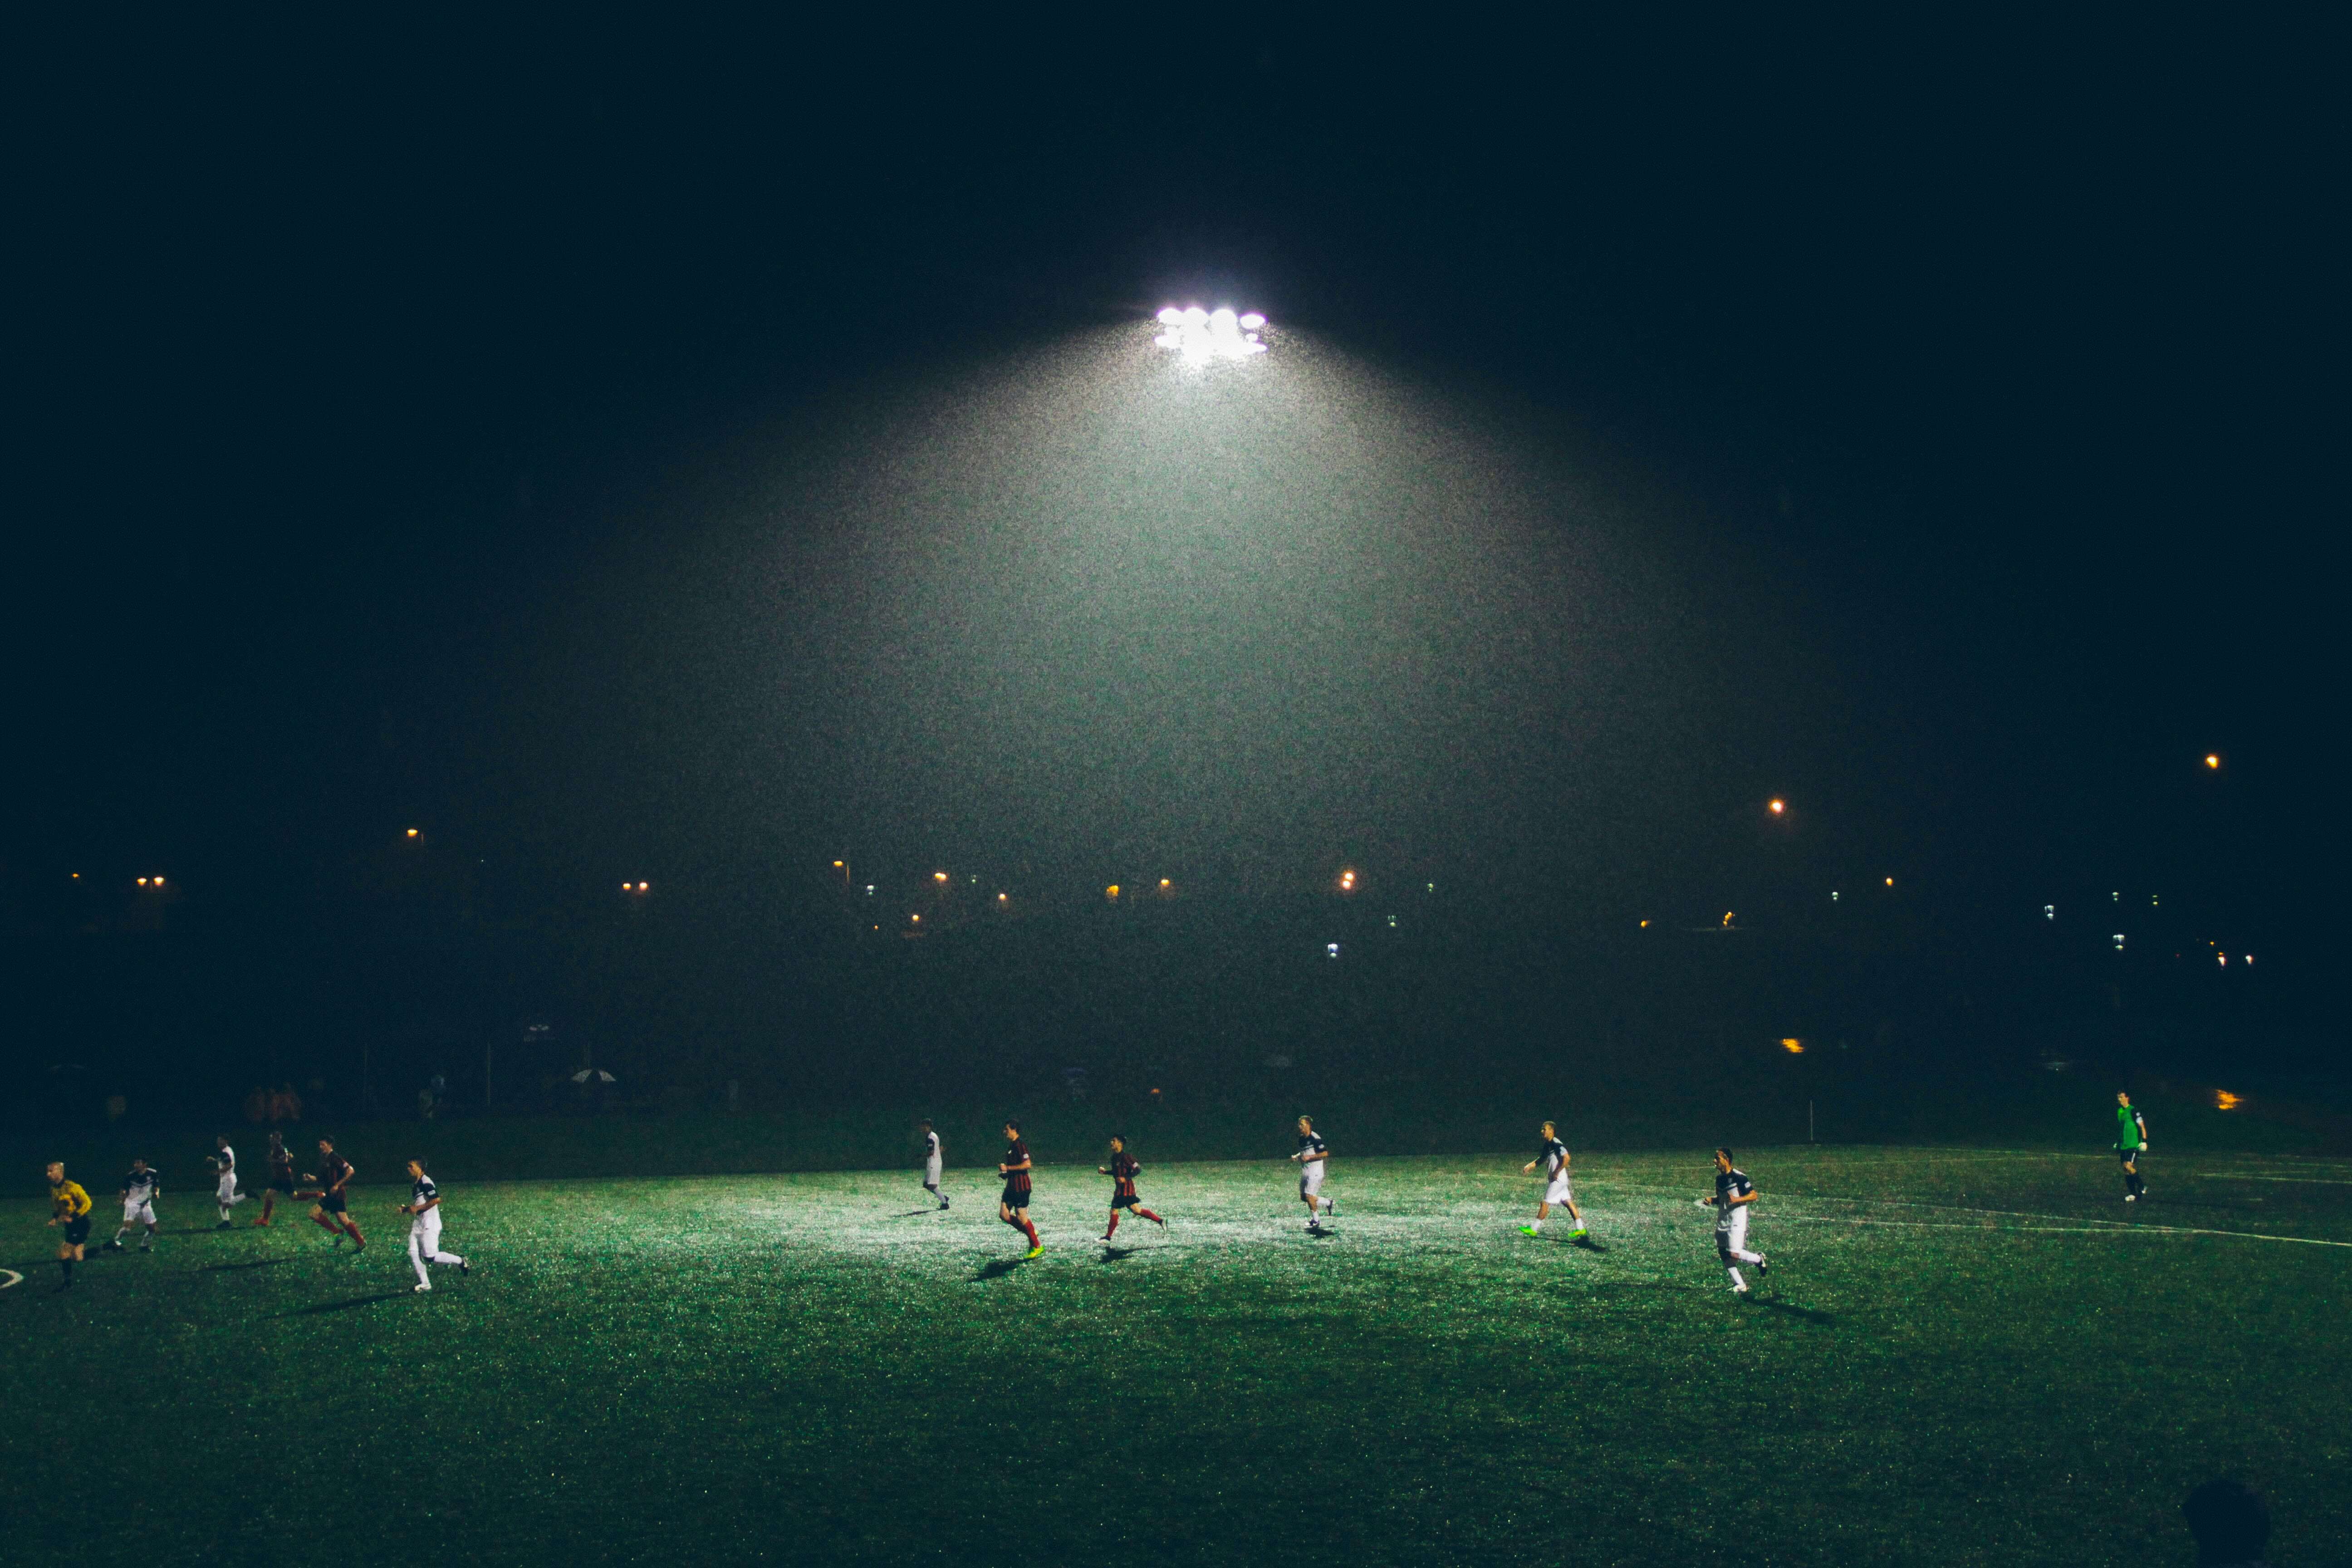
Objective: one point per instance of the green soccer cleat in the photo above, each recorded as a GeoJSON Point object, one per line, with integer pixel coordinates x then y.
{"type": "Point", "coordinates": [1577, 1235]}
{"type": "Point", "coordinates": [1529, 1230]}
{"type": "Point", "coordinates": [1035, 1252]}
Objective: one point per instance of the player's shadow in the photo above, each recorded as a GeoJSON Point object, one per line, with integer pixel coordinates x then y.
{"type": "Point", "coordinates": [1113, 1254]}
{"type": "Point", "coordinates": [345, 1306]}
{"type": "Point", "coordinates": [918, 1213]}
{"type": "Point", "coordinates": [232, 1267]}
{"type": "Point", "coordinates": [1790, 1309]}
{"type": "Point", "coordinates": [996, 1270]}
{"type": "Point", "coordinates": [1586, 1244]}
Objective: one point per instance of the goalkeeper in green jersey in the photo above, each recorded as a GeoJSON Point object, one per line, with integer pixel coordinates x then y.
{"type": "Point", "coordinates": [2131, 1142]}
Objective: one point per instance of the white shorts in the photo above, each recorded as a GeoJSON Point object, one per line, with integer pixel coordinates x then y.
{"type": "Point", "coordinates": [427, 1228]}
{"type": "Point", "coordinates": [931, 1173]}
{"type": "Point", "coordinates": [1557, 1194]}
{"type": "Point", "coordinates": [1731, 1230]}
{"type": "Point", "coordinates": [1310, 1179]}
{"type": "Point", "coordinates": [227, 1188]}
{"type": "Point", "coordinates": [141, 1212]}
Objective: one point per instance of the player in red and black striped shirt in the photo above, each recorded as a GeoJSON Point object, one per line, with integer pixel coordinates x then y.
{"type": "Point", "coordinates": [1013, 1208]}
{"type": "Point", "coordinates": [1122, 1171]}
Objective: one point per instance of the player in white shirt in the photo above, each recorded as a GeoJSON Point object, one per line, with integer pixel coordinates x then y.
{"type": "Point", "coordinates": [1312, 1152]}
{"type": "Point", "coordinates": [932, 1162]}
{"type": "Point", "coordinates": [225, 1163]}
{"type": "Point", "coordinates": [1734, 1194]}
{"type": "Point", "coordinates": [1553, 1157]}
{"type": "Point", "coordinates": [139, 1189]}
{"type": "Point", "coordinates": [424, 1209]}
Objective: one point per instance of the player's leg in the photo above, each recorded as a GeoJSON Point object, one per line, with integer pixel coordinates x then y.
{"type": "Point", "coordinates": [1111, 1229]}
{"type": "Point", "coordinates": [416, 1254]}
{"type": "Point", "coordinates": [321, 1216]}
{"type": "Point", "coordinates": [1143, 1213]}
{"type": "Point", "coordinates": [352, 1229]}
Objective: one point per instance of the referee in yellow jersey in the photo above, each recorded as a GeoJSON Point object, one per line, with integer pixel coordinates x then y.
{"type": "Point", "coordinates": [72, 1207]}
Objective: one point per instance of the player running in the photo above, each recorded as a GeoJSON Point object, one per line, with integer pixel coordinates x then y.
{"type": "Point", "coordinates": [1553, 1157]}
{"type": "Point", "coordinates": [332, 1212]}
{"type": "Point", "coordinates": [1122, 1171]}
{"type": "Point", "coordinates": [1734, 1195]}
{"type": "Point", "coordinates": [223, 1161]}
{"type": "Point", "coordinates": [424, 1207]}
{"type": "Point", "coordinates": [932, 1162]}
{"type": "Point", "coordinates": [2131, 1142]}
{"type": "Point", "coordinates": [1012, 1208]}
{"type": "Point", "coordinates": [1312, 1152]}
{"type": "Point", "coordinates": [281, 1175]}
{"type": "Point", "coordinates": [68, 1206]}
{"type": "Point", "coordinates": [140, 1188]}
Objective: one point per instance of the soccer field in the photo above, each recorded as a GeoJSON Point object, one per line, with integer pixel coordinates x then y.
{"type": "Point", "coordinates": [1959, 1356]}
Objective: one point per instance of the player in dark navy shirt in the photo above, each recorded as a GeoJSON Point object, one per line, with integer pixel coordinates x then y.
{"type": "Point", "coordinates": [1122, 1172]}
{"type": "Point", "coordinates": [331, 1211]}
{"type": "Point", "coordinates": [281, 1160]}
{"type": "Point", "coordinates": [1012, 1206]}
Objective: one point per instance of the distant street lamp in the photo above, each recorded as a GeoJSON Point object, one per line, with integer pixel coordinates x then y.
{"type": "Point", "coordinates": [2213, 760]}
{"type": "Point", "coordinates": [1778, 806]}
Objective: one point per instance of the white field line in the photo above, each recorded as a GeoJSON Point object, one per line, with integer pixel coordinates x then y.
{"type": "Point", "coordinates": [14, 1278]}
{"type": "Point", "coordinates": [2299, 1180]}
{"type": "Point", "coordinates": [2113, 1227]}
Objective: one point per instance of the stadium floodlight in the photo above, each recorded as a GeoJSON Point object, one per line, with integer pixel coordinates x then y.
{"type": "Point", "coordinates": [1199, 336]}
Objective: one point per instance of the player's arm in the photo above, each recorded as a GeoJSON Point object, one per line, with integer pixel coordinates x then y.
{"type": "Point", "coordinates": [2143, 1128]}
{"type": "Point", "coordinates": [345, 1179]}
{"type": "Point", "coordinates": [1528, 1169]}
{"type": "Point", "coordinates": [1736, 1199]}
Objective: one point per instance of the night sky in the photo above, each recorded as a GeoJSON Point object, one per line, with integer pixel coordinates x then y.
{"type": "Point", "coordinates": [699, 454]}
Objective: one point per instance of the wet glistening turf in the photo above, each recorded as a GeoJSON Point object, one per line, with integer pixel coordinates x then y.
{"type": "Point", "coordinates": [1959, 1356]}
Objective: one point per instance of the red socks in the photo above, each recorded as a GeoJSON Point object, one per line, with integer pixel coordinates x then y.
{"type": "Point", "coordinates": [1032, 1230]}
{"type": "Point", "coordinates": [1147, 1213]}
{"type": "Point", "coordinates": [1114, 1225]}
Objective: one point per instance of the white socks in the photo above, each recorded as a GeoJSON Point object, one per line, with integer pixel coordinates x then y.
{"type": "Point", "coordinates": [1736, 1282]}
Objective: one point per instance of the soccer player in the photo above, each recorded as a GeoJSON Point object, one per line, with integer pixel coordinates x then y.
{"type": "Point", "coordinates": [1122, 1171]}
{"type": "Point", "coordinates": [281, 1175]}
{"type": "Point", "coordinates": [225, 1163]}
{"type": "Point", "coordinates": [424, 1209]}
{"type": "Point", "coordinates": [68, 1206]}
{"type": "Point", "coordinates": [140, 1191]}
{"type": "Point", "coordinates": [1553, 1157]}
{"type": "Point", "coordinates": [1312, 1152]}
{"type": "Point", "coordinates": [932, 1164]}
{"type": "Point", "coordinates": [1012, 1208]}
{"type": "Point", "coordinates": [1734, 1193]}
{"type": "Point", "coordinates": [332, 1212]}
{"type": "Point", "coordinates": [2131, 1142]}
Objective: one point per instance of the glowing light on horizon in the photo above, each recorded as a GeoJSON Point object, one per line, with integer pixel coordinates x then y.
{"type": "Point", "coordinates": [1795, 1047]}
{"type": "Point", "coordinates": [1778, 806]}
{"type": "Point", "coordinates": [1199, 336]}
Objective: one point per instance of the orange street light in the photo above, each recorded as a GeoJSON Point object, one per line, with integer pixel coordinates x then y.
{"type": "Point", "coordinates": [1348, 881]}
{"type": "Point", "coordinates": [412, 833]}
{"type": "Point", "coordinates": [1794, 1047]}
{"type": "Point", "coordinates": [940, 877]}
{"type": "Point", "coordinates": [1778, 806]}
{"type": "Point", "coordinates": [1111, 891]}
{"type": "Point", "coordinates": [2213, 760]}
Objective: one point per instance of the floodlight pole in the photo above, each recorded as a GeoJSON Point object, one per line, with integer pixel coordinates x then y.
{"type": "Point", "coordinates": [1809, 1122]}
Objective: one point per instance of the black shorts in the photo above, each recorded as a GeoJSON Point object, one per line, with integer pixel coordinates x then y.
{"type": "Point", "coordinates": [77, 1230]}
{"type": "Point", "coordinates": [2129, 1154]}
{"type": "Point", "coordinates": [331, 1201]}
{"type": "Point", "coordinates": [1016, 1197]}
{"type": "Point", "coordinates": [1126, 1202]}
{"type": "Point", "coordinates": [282, 1184]}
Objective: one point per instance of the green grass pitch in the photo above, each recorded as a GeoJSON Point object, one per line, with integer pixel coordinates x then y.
{"type": "Point", "coordinates": [1961, 1356]}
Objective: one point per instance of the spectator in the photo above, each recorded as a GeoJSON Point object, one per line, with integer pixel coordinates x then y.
{"type": "Point", "coordinates": [2231, 1523]}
